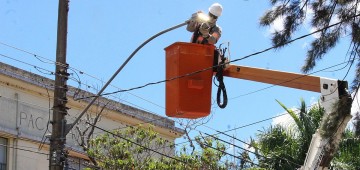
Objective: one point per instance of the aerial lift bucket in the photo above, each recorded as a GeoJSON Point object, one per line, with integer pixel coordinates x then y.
{"type": "Point", "coordinates": [188, 96]}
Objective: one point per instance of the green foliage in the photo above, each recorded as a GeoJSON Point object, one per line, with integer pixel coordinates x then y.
{"type": "Point", "coordinates": [278, 149]}
{"type": "Point", "coordinates": [348, 156]}
{"type": "Point", "coordinates": [113, 152]}
{"type": "Point", "coordinates": [281, 148]}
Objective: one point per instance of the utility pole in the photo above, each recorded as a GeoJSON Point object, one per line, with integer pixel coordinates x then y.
{"type": "Point", "coordinates": [58, 155]}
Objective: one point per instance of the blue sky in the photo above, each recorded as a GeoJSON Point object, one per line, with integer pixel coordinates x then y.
{"type": "Point", "coordinates": [102, 34]}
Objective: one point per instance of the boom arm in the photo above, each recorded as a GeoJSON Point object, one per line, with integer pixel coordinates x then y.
{"type": "Point", "coordinates": [330, 90]}
{"type": "Point", "coordinates": [293, 80]}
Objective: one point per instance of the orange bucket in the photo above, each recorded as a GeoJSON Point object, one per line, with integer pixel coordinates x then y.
{"type": "Point", "coordinates": [189, 96]}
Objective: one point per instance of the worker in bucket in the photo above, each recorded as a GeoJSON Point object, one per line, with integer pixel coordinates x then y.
{"type": "Point", "coordinates": [204, 27]}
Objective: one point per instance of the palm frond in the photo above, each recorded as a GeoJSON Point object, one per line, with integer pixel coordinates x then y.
{"type": "Point", "coordinates": [293, 115]}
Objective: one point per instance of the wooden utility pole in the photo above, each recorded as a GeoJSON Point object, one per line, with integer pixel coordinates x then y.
{"type": "Point", "coordinates": [58, 155]}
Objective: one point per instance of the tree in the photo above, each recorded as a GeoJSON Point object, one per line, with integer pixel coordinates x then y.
{"type": "Point", "coordinates": [348, 156]}
{"type": "Point", "coordinates": [332, 19]}
{"type": "Point", "coordinates": [324, 12]}
{"type": "Point", "coordinates": [134, 148]}
{"type": "Point", "coordinates": [286, 147]}
{"type": "Point", "coordinates": [282, 147]}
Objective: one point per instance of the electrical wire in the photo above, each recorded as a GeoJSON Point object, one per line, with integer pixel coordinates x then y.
{"type": "Point", "coordinates": [218, 131]}
{"type": "Point", "coordinates": [288, 42]}
{"type": "Point", "coordinates": [43, 138]}
{"type": "Point", "coordinates": [162, 147]}
{"type": "Point", "coordinates": [212, 136]}
{"type": "Point", "coordinates": [224, 132]}
{"type": "Point", "coordinates": [240, 127]}
{"type": "Point", "coordinates": [163, 118]}
{"type": "Point", "coordinates": [242, 57]}
{"type": "Point", "coordinates": [263, 90]}
{"type": "Point", "coordinates": [45, 85]}
{"type": "Point", "coordinates": [209, 68]}
{"type": "Point", "coordinates": [27, 150]}
{"type": "Point", "coordinates": [42, 70]}
{"type": "Point", "coordinates": [75, 70]}
{"type": "Point", "coordinates": [263, 50]}
{"type": "Point", "coordinates": [238, 157]}
{"type": "Point", "coordinates": [121, 67]}
{"type": "Point", "coordinates": [128, 140]}
{"type": "Point", "coordinates": [246, 144]}
{"type": "Point", "coordinates": [274, 85]}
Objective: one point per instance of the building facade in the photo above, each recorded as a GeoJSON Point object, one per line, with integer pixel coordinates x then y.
{"type": "Point", "coordinates": [25, 110]}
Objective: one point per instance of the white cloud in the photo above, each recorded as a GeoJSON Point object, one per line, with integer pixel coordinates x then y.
{"type": "Point", "coordinates": [230, 149]}
{"type": "Point", "coordinates": [316, 35]}
{"type": "Point", "coordinates": [314, 101]}
{"type": "Point", "coordinates": [277, 25]}
{"type": "Point", "coordinates": [246, 146]}
{"type": "Point", "coordinates": [285, 121]}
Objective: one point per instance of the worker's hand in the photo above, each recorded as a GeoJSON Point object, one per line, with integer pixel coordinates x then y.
{"type": "Point", "coordinates": [204, 29]}
{"type": "Point", "coordinates": [194, 17]}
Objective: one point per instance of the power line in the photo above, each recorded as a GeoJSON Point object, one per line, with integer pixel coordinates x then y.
{"type": "Point", "coordinates": [27, 150]}
{"type": "Point", "coordinates": [246, 144]}
{"type": "Point", "coordinates": [266, 50]}
{"type": "Point", "coordinates": [351, 61]}
{"type": "Point", "coordinates": [274, 85]}
{"type": "Point", "coordinates": [250, 124]}
{"type": "Point", "coordinates": [238, 157]}
{"type": "Point", "coordinates": [48, 61]}
{"type": "Point", "coordinates": [232, 129]}
{"type": "Point", "coordinates": [255, 122]}
{"type": "Point", "coordinates": [135, 143]}
{"type": "Point", "coordinates": [162, 147]}
{"type": "Point", "coordinates": [235, 145]}
{"type": "Point", "coordinates": [204, 125]}
{"type": "Point", "coordinates": [239, 59]}
{"type": "Point", "coordinates": [212, 67]}
{"type": "Point", "coordinates": [41, 70]}
{"type": "Point", "coordinates": [46, 85]}
{"type": "Point", "coordinates": [52, 73]}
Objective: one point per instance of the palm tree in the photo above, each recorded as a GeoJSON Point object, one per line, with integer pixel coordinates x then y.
{"type": "Point", "coordinates": [306, 121]}
{"type": "Point", "coordinates": [285, 147]}
{"type": "Point", "coordinates": [277, 149]}
{"type": "Point", "coordinates": [348, 156]}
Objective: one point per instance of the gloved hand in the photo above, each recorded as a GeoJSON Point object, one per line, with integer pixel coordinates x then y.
{"type": "Point", "coordinates": [204, 29]}
{"type": "Point", "coordinates": [194, 17]}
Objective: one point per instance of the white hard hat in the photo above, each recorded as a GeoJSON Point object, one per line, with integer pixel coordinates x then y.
{"type": "Point", "coordinates": [215, 9]}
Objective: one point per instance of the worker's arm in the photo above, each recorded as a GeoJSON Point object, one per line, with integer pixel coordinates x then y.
{"type": "Point", "coordinates": [213, 36]}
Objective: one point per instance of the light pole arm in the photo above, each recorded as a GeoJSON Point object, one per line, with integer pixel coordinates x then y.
{"type": "Point", "coordinates": [70, 126]}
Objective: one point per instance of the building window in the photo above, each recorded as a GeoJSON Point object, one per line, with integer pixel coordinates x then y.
{"type": "Point", "coordinates": [3, 153]}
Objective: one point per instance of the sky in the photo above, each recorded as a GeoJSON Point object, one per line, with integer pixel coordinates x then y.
{"type": "Point", "coordinates": [102, 34]}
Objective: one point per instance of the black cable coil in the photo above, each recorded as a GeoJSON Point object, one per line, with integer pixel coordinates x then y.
{"type": "Point", "coordinates": [220, 78]}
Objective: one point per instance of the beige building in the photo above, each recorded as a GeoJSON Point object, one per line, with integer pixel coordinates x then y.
{"type": "Point", "coordinates": [25, 109]}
